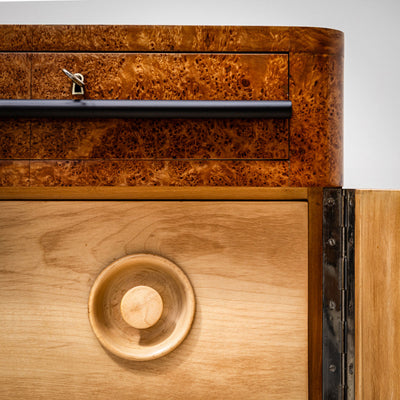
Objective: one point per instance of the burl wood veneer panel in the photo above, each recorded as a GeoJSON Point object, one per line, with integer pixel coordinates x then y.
{"type": "Point", "coordinates": [316, 130]}
{"type": "Point", "coordinates": [14, 173]}
{"type": "Point", "coordinates": [163, 77]}
{"type": "Point", "coordinates": [15, 138]}
{"type": "Point", "coordinates": [316, 69]}
{"type": "Point", "coordinates": [16, 37]}
{"type": "Point", "coordinates": [15, 76]}
{"type": "Point", "coordinates": [377, 290]}
{"type": "Point", "coordinates": [15, 83]}
{"type": "Point", "coordinates": [159, 173]}
{"type": "Point", "coordinates": [186, 38]}
{"type": "Point", "coordinates": [249, 337]}
{"type": "Point", "coordinates": [159, 139]}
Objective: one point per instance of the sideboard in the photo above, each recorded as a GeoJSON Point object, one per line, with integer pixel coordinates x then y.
{"type": "Point", "coordinates": [248, 206]}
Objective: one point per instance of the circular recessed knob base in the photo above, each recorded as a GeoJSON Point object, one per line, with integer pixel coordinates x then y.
{"type": "Point", "coordinates": [141, 307]}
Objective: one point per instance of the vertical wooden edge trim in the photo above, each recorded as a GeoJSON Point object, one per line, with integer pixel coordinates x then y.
{"type": "Point", "coordinates": [315, 203]}
{"type": "Point", "coordinates": [358, 298]}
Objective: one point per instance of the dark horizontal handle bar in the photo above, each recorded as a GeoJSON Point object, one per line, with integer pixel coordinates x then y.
{"type": "Point", "coordinates": [144, 109]}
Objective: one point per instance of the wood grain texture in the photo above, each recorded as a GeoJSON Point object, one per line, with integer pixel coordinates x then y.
{"type": "Point", "coordinates": [123, 332]}
{"type": "Point", "coordinates": [153, 193]}
{"type": "Point", "coordinates": [158, 173]}
{"type": "Point", "coordinates": [377, 273]}
{"type": "Point", "coordinates": [159, 139]}
{"type": "Point", "coordinates": [14, 173]}
{"type": "Point", "coordinates": [161, 76]}
{"type": "Point", "coordinates": [141, 307]}
{"type": "Point", "coordinates": [316, 131]}
{"type": "Point", "coordinates": [173, 38]}
{"type": "Point", "coordinates": [53, 251]}
{"type": "Point", "coordinates": [15, 76]}
{"type": "Point", "coordinates": [179, 63]}
{"type": "Point", "coordinates": [16, 37]}
{"type": "Point", "coordinates": [15, 135]}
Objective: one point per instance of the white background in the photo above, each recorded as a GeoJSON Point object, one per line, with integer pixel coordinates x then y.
{"type": "Point", "coordinates": [372, 61]}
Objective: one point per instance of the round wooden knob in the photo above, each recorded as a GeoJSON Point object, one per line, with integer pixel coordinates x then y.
{"type": "Point", "coordinates": [141, 307]}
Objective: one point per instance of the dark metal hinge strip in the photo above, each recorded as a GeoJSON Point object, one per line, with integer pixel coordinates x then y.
{"type": "Point", "coordinates": [338, 294]}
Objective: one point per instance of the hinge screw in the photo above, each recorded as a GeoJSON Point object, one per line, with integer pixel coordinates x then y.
{"type": "Point", "coordinates": [332, 368]}
{"type": "Point", "coordinates": [331, 242]}
{"type": "Point", "coordinates": [332, 305]}
{"type": "Point", "coordinates": [330, 202]}
{"type": "Point", "coordinates": [351, 369]}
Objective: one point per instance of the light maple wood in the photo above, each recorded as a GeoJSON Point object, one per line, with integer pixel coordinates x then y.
{"type": "Point", "coordinates": [247, 262]}
{"type": "Point", "coordinates": [129, 297]}
{"type": "Point", "coordinates": [377, 273]}
{"type": "Point", "coordinates": [141, 307]}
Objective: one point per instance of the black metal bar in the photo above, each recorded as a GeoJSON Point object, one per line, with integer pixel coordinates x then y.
{"type": "Point", "coordinates": [144, 109]}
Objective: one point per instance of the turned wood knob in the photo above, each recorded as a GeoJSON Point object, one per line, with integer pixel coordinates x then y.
{"type": "Point", "coordinates": [128, 314]}
{"type": "Point", "coordinates": [141, 307]}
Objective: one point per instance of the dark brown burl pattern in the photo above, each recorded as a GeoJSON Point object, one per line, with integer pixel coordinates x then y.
{"type": "Point", "coordinates": [225, 173]}
{"type": "Point", "coordinates": [16, 37]}
{"type": "Point", "coordinates": [15, 76]}
{"type": "Point", "coordinates": [223, 139]}
{"type": "Point", "coordinates": [158, 173]}
{"type": "Point", "coordinates": [159, 139]}
{"type": "Point", "coordinates": [81, 139]}
{"type": "Point", "coordinates": [14, 173]}
{"type": "Point", "coordinates": [176, 38]}
{"type": "Point", "coordinates": [316, 135]}
{"type": "Point", "coordinates": [14, 139]}
{"type": "Point", "coordinates": [163, 76]}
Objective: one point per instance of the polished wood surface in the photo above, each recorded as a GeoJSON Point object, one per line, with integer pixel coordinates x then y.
{"type": "Point", "coordinates": [377, 285]}
{"type": "Point", "coordinates": [148, 76]}
{"type": "Point", "coordinates": [140, 62]}
{"type": "Point", "coordinates": [15, 76]}
{"type": "Point", "coordinates": [142, 306]}
{"type": "Point", "coordinates": [47, 173]}
{"type": "Point", "coordinates": [163, 76]}
{"type": "Point", "coordinates": [247, 262]}
{"type": "Point", "coordinates": [156, 193]}
{"type": "Point", "coordinates": [169, 38]}
{"type": "Point", "coordinates": [316, 91]}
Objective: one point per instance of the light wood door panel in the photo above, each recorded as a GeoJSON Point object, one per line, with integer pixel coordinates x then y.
{"type": "Point", "coordinates": [247, 262]}
{"type": "Point", "coordinates": [377, 290]}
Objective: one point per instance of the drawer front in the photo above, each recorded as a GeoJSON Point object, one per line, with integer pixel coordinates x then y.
{"type": "Point", "coordinates": [247, 263]}
{"type": "Point", "coordinates": [175, 62]}
{"type": "Point", "coordinates": [146, 76]}
{"type": "Point", "coordinates": [163, 76]}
